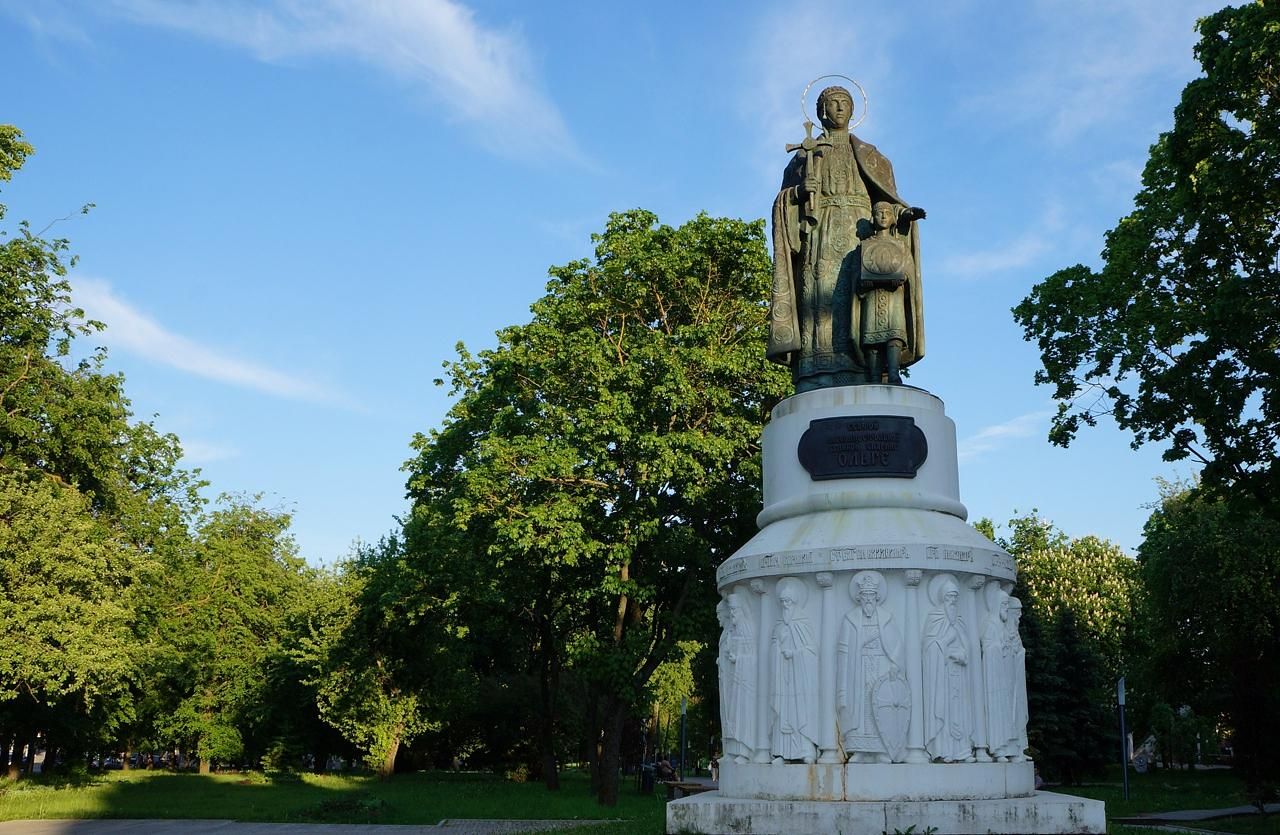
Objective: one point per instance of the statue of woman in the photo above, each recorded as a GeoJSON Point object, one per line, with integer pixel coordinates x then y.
{"type": "Point", "coordinates": [795, 678]}
{"type": "Point", "coordinates": [820, 217]}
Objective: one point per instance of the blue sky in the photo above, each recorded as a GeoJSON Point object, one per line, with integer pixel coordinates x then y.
{"type": "Point", "coordinates": [303, 205]}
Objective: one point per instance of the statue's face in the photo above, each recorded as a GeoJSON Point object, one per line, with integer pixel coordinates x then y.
{"type": "Point", "coordinates": [950, 597]}
{"type": "Point", "coordinates": [883, 216]}
{"type": "Point", "coordinates": [735, 615]}
{"type": "Point", "coordinates": [1004, 609]}
{"type": "Point", "coordinates": [1015, 615]}
{"type": "Point", "coordinates": [867, 597]}
{"type": "Point", "coordinates": [788, 602]}
{"type": "Point", "coordinates": [836, 111]}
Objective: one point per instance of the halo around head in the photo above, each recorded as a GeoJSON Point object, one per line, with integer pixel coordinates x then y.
{"type": "Point", "coordinates": [938, 584]}
{"type": "Point", "coordinates": [804, 98]}
{"type": "Point", "coordinates": [869, 580]}
{"type": "Point", "coordinates": [796, 588]}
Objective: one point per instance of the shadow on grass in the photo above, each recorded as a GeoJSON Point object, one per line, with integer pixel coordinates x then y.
{"type": "Point", "coordinates": [424, 798]}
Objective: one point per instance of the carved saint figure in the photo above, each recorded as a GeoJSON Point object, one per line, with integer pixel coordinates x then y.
{"type": "Point", "coordinates": [948, 702]}
{"type": "Point", "coordinates": [738, 681]}
{"type": "Point", "coordinates": [887, 290]}
{"type": "Point", "coordinates": [820, 216]}
{"type": "Point", "coordinates": [869, 680]}
{"type": "Point", "coordinates": [722, 663]}
{"type": "Point", "coordinates": [795, 677]}
{"type": "Point", "coordinates": [1019, 655]}
{"type": "Point", "coordinates": [998, 676]}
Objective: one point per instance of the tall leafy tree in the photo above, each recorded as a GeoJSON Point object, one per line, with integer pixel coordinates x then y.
{"type": "Point", "coordinates": [1081, 601]}
{"type": "Point", "coordinates": [68, 591]}
{"type": "Point", "coordinates": [226, 606]}
{"type": "Point", "coordinates": [604, 457]}
{"type": "Point", "coordinates": [1212, 568]}
{"type": "Point", "coordinates": [1177, 337]}
{"type": "Point", "coordinates": [120, 502]}
{"type": "Point", "coordinates": [381, 657]}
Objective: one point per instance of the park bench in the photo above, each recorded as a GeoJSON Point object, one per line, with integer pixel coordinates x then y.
{"type": "Point", "coordinates": [677, 789]}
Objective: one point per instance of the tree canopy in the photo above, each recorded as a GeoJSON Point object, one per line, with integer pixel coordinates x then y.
{"type": "Point", "coordinates": [1212, 570]}
{"type": "Point", "coordinates": [1081, 598]}
{"type": "Point", "coordinates": [604, 458]}
{"type": "Point", "coordinates": [1177, 336]}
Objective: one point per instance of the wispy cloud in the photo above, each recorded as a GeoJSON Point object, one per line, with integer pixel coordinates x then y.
{"type": "Point", "coordinates": [195, 451]}
{"type": "Point", "coordinates": [1014, 254]}
{"type": "Point", "coordinates": [1011, 255]}
{"type": "Point", "coordinates": [438, 46]}
{"type": "Point", "coordinates": [128, 329]}
{"type": "Point", "coordinates": [994, 437]}
{"type": "Point", "coordinates": [48, 21]}
{"type": "Point", "coordinates": [803, 38]}
{"type": "Point", "coordinates": [1092, 80]}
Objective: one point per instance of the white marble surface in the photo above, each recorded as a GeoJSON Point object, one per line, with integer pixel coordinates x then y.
{"type": "Point", "coordinates": [870, 600]}
{"type": "Point", "coordinates": [1043, 812]}
{"type": "Point", "coordinates": [877, 781]}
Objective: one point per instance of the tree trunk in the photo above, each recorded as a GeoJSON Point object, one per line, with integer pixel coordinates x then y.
{"type": "Point", "coordinates": [320, 761]}
{"type": "Point", "coordinates": [593, 741]}
{"type": "Point", "coordinates": [29, 768]}
{"type": "Point", "coordinates": [15, 759]}
{"type": "Point", "coordinates": [50, 759]}
{"type": "Point", "coordinates": [615, 712]}
{"type": "Point", "coordinates": [6, 743]}
{"type": "Point", "coordinates": [206, 763]}
{"type": "Point", "coordinates": [125, 765]}
{"type": "Point", "coordinates": [549, 686]}
{"type": "Point", "coordinates": [388, 766]}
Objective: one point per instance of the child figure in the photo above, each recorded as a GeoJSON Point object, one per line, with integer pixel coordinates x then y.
{"type": "Point", "coordinates": [888, 293]}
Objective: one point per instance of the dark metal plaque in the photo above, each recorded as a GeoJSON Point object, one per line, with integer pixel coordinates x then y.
{"type": "Point", "coordinates": [869, 446]}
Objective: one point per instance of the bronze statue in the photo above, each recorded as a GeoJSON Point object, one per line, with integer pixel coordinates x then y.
{"type": "Point", "coordinates": [835, 320]}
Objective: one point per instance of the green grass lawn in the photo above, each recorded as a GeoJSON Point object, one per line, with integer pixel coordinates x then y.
{"type": "Point", "coordinates": [429, 797]}
{"type": "Point", "coordinates": [1167, 791]}
{"type": "Point", "coordinates": [1243, 825]}
{"type": "Point", "coordinates": [1163, 791]}
{"type": "Point", "coordinates": [412, 798]}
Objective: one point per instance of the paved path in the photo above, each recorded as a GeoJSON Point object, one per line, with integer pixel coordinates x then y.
{"type": "Point", "coordinates": [1188, 815]}
{"type": "Point", "coordinates": [449, 826]}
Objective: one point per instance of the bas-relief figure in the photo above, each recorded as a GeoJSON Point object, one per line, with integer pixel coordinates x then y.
{"type": "Point", "coordinates": [738, 678]}
{"type": "Point", "coordinates": [873, 700]}
{"type": "Point", "coordinates": [872, 690]}
{"type": "Point", "coordinates": [998, 676]}
{"type": "Point", "coordinates": [795, 677]}
{"type": "Point", "coordinates": [948, 701]}
{"type": "Point", "coordinates": [1019, 678]}
{"type": "Point", "coordinates": [822, 218]}
{"type": "Point", "coordinates": [724, 672]}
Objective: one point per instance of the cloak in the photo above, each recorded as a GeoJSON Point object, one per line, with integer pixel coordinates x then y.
{"type": "Point", "coordinates": [788, 235]}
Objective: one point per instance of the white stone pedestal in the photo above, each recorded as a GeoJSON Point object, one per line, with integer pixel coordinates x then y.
{"type": "Point", "coordinates": [1043, 812]}
{"type": "Point", "coordinates": [870, 672]}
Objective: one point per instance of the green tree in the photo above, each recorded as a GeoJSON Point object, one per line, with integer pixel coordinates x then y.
{"type": "Point", "coordinates": [1081, 599]}
{"type": "Point", "coordinates": [68, 590]}
{"type": "Point", "coordinates": [1178, 335]}
{"type": "Point", "coordinates": [382, 656]}
{"type": "Point", "coordinates": [1212, 569]}
{"type": "Point", "coordinates": [227, 601]}
{"type": "Point", "coordinates": [65, 422]}
{"type": "Point", "coordinates": [603, 458]}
